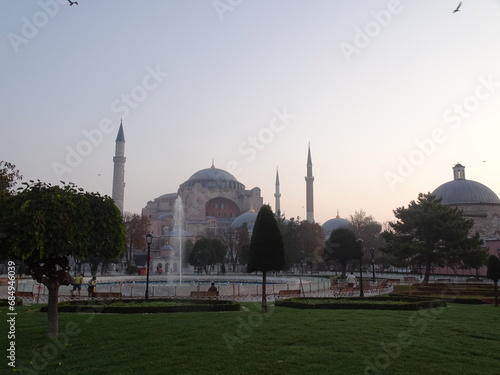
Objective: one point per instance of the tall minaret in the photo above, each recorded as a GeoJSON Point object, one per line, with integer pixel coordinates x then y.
{"type": "Point", "coordinates": [277, 195]}
{"type": "Point", "coordinates": [309, 188]}
{"type": "Point", "coordinates": [119, 170]}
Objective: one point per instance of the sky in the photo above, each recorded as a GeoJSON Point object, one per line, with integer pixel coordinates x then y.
{"type": "Point", "coordinates": [388, 94]}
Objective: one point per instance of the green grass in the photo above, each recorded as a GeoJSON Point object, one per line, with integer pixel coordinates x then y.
{"type": "Point", "coordinates": [458, 339]}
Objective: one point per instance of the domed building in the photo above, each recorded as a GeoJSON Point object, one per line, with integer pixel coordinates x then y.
{"type": "Point", "coordinates": [212, 198]}
{"type": "Point", "coordinates": [332, 224]}
{"type": "Point", "coordinates": [477, 201]}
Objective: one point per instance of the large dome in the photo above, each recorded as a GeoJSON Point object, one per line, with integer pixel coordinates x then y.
{"type": "Point", "coordinates": [214, 178]}
{"type": "Point", "coordinates": [462, 191]}
{"type": "Point", "coordinates": [212, 174]}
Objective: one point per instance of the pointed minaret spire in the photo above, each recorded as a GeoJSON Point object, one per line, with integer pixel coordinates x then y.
{"type": "Point", "coordinates": [309, 188]}
{"type": "Point", "coordinates": [277, 195]}
{"type": "Point", "coordinates": [119, 169]}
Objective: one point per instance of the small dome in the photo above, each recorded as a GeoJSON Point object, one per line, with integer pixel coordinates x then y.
{"type": "Point", "coordinates": [330, 225]}
{"type": "Point", "coordinates": [248, 218]}
{"type": "Point", "coordinates": [462, 191]}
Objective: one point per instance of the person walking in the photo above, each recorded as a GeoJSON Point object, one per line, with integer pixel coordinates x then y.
{"type": "Point", "coordinates": [77, 285]}
{"type": "Point", "coordinates": [92, 287]}
{"type": "Point", "coordinates": [351, 280]}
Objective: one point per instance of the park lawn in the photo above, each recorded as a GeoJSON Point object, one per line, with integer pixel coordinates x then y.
{"type": "Point", "coordinates": [463, 339]}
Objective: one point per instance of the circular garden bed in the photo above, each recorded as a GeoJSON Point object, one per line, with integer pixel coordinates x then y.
{"type": "Point", "coordinates": [143, 306]}
{"type": "Point", "coordinates": [373, 303]}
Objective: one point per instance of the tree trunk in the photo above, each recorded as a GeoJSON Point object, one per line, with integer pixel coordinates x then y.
{"type": "Point", "coordinates": [427, 272]}
{"type": "Point", "coordinates": [264, 299]}
{"type": "Point", "coordinates": [496, 293]}
{"type": "Point", "coordinates": [52, 313]}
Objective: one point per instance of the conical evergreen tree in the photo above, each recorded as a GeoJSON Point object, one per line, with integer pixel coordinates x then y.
{"type": "Point", "coordinates": [267, 252]}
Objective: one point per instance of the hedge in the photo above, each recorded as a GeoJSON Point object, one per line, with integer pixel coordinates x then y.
{"type": "Point", "coordinates": [145, 306]}
{"type": "Point", "coordinates": [376, 303]}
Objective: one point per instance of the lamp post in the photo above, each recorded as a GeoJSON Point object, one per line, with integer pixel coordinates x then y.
{"type": "Point", "coordinates": [372, 252]}
{"type": "Point", "coordinates": [149, 241]}
{"type": "Point", "coordinates": [359, 241]}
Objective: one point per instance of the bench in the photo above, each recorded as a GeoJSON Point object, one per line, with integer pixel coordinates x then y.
{"type": "Point", "coordinates": [108, 295]}
{"type": "Point", "coordinates": [448, 281]}
{"type": "Point", "coordinates": [203, 293]}
{"type": "Point", "coordinates": [24, 294]}
{"type": "Point", "coordinates": [288, 292]}
{"type": "Point", "coordinates": [344, 292]}
{"type": "Point", "coordinates": [410, 280]}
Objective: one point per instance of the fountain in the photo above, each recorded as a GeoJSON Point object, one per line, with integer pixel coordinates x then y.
{"type": "Point", "coordinates": [179, 231]}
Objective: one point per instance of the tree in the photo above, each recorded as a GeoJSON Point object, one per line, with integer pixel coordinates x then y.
{"type": "Point", "coordinates": [46, 224]}
{"type": "Point", "coordinates": [493, 273]}
{"type": "Point", "coordinates": [136, 228]}
{"type": "Point", "coordinates": [341, 247]}
{"type": "Point", "coordinates": [9, 175]}
{"type": "Point", "coordinates": [207, 252]}
{"type": "Point", "coordinates": [429, 233]}
{"type": "Point", "coordinates": [267, 252]}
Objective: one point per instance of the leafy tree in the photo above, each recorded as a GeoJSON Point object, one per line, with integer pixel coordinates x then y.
{"type": "Point", "coordinates": [341, 247]}
{"type": "Point", "coordinates": [493, 273]}
{"type": "Point", "coordinates": [267, 252]}
{"type": "Point", "coordinates": [9, 175]}
{"type": "Point", "coordinates": [429, 233]}
{"type": "Point", "coordinates": [46, 224]}
{"type": "Point", "coordinates": [311, 242]}
{"type": "Point", "coordinates": [136, 228]}
{"type": "Point", "coordinates": [207, 252]}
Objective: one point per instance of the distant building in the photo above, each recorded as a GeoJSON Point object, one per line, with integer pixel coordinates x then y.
{"type": "Point", "coordinates": [479, 203]}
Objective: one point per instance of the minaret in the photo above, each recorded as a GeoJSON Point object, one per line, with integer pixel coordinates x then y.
{"type": "Point", "coordinates": [119, 170]}
{"type": "Point", "coordinates": [277, 195]}
{"type": "Point", "coordinates": [309, 188]}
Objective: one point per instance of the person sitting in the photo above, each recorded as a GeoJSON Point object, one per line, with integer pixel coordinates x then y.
{"type": "Point", "coordinates": [213, 289]}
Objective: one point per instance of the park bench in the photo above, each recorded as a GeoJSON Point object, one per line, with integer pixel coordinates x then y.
{"type": "Point", "coordinates": [24, 294]}
{"type": "Point", "coordinates": [410, 279]}
{"type": "Point", "coordinates": [288, 292]}
{"type": "Point", "coordinates": [344, 292]}
{"type": "Point", "coordinates": [204, 293]}
{"type": "Point", "coordinates": [444, 281]}
{"type": "Point", "coordinates": [108, 295]}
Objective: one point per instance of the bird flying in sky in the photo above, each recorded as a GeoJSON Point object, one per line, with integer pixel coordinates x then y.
{"type": "Point", "coordinates": [458, 7]}
{"type": "Point", "coordinates": [72, 2]}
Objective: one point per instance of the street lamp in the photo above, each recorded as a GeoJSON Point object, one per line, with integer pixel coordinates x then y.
{"type": "Point", "coordinates": [149, 241]}
{"type": "Point", "coordinates": [372, 252]}
{"type": "Point", "coordinates": [359, 241]}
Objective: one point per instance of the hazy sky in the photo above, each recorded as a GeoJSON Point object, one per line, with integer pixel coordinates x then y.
{"type": "Point", "coordinates": [390, 95]}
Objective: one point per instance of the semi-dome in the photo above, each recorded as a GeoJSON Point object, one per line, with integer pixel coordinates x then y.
{"type": "Point", "coordinates": [248, 218]}
{"type": "Point", "coordinates": [214, 178]}
{"type": "Point", "coordinates": [462, 191]}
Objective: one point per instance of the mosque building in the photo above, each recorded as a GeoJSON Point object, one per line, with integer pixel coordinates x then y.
{"type": "Point", "coordinates": [477, 202]}
{"type": "Point", "coordinates": [213, 198]}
